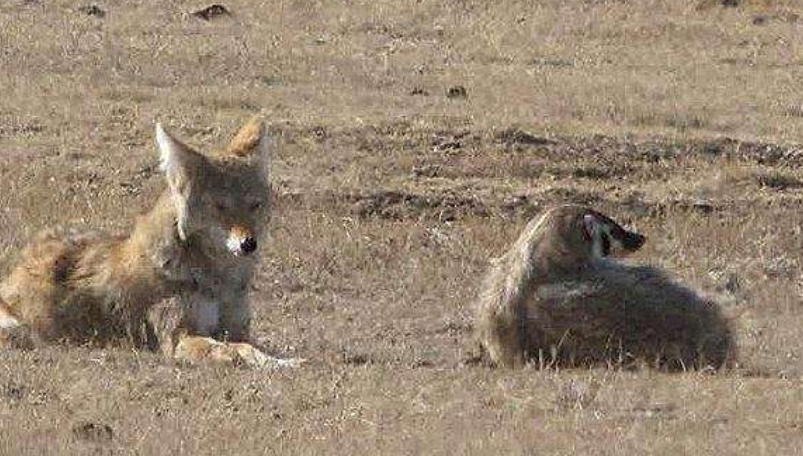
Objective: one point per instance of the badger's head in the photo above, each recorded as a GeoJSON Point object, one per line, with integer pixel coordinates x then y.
{"type": "Point", "coordinates": [605, 237]}
{"type": "Point", "coordinates": [574, 234]}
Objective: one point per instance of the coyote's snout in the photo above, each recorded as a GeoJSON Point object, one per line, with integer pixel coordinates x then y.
{"type": "Point", "coordinates": [241, 241]}
{"type": "Point", "coordinates": [178, 280]}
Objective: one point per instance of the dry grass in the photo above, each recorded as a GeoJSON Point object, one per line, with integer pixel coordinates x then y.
{"type": "Point", "coordinates": [680, 117]}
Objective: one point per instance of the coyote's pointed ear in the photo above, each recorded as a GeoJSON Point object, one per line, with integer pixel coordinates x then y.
{"type": "Point", "coordinates": [178, 162]}
{"type": "Point", "coordinates": [250, 141]}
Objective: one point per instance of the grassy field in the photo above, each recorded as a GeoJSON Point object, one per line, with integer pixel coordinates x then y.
{"type": "Point", "coordinates": [414, 139]}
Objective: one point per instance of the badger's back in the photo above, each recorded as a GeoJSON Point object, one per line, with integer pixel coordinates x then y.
{"type": "Point", "coordinates": [612, 312]}
{"type": "Point", "coordinates": [499, 314]}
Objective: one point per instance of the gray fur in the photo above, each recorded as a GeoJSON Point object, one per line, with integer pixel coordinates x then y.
{"type": "Point", "coordinates": [550, 298]}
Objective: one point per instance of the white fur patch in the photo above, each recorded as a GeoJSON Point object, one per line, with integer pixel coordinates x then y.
{"type": "Point", "coordinates": [170, 163]}
{"type": "Point", "coordinates": [597, 231]}
{"type": "Point", "coordinates": [591, 225]}
{"type": "Point", "coordinates": [8, 322]}
{"type": "Point", "coordinates": [288, 363]}
{"type": "Point", "coordinates": [167, 155]}
{"type": "Point", "coordinates": [234, 244]}
{"type": "Point", "coordinates": [573, 291]}
{"type": "Point", "coordinates": [594, 229]}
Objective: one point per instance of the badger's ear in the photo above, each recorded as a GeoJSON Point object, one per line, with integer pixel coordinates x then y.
{"type": "Point", "coordinates": [250, 141]}
{"type": "Point", "coordinates": [590, 226]}
{"type": "Point", "coordinates": [180, 164]}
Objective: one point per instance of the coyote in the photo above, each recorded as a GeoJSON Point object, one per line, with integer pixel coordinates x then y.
{"type": "Point", "coordinates": [559, 295]}
{"type": "Point", "coordinates": [178, 282]}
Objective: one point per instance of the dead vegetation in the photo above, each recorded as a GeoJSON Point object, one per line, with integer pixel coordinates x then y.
{"type": "Point", "coordinates": [391, 198]}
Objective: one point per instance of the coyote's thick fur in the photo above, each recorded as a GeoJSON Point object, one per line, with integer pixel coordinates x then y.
{"type": "Point", "coordinates": [178, 281]}
{"type": "Point", "coordinates": [556, 296]}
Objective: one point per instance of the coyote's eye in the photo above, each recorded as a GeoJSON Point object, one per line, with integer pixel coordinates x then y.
{"type": "Point", "coordinates": [256, 205]}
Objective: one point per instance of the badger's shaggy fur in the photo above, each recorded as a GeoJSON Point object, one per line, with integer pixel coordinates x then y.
{"type": "Point", "coordinates": [556, 297]}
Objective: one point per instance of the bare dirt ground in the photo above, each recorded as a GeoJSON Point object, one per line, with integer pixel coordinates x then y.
{"type": "Point", "coordinates": [414, 140]}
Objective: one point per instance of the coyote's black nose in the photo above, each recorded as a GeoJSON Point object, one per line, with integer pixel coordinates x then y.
{"type": "Point", "coordinates": [248, 245]}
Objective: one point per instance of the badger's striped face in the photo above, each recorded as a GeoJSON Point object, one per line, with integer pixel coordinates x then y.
{"type": "Point", "coordinates": [608, 238]}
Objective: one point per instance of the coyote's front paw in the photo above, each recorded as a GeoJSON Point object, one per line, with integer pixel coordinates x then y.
{"type": "Point", "coordinates": [195, 349]}
{"type": "Point", "coordinates": [291, 363]}
{"type": "Point", "coordinates": [251, 356]}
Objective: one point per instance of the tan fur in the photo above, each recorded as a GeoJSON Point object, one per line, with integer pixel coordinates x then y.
{"type": "Point", "coordinates": [247, 138]}
{"type": "Point", "coordinates": [173, 280]}
{"type": "Point", "coordinates": [550, 299]}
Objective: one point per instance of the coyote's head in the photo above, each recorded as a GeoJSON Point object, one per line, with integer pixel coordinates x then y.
{"type": "Point", "coordinates": [221, 199]}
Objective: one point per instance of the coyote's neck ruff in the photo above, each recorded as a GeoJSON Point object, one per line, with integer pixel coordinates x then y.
{"type": "Point", "coordinates": [179, 279]}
